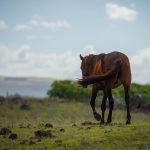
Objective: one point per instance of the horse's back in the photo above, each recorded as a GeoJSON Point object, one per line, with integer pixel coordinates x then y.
{"type": "Point", "coordinates": [125, 71]}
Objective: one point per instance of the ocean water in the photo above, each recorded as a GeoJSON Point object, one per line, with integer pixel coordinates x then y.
{"type": "Point", "coordinates": [25, 87]}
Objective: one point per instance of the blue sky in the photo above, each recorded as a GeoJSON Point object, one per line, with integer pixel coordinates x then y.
{"type": "Point", "coordinates": [45, 37]}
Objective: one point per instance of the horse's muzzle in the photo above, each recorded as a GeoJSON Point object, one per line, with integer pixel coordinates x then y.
{"type": "Point", "coordinates": [84, 86]}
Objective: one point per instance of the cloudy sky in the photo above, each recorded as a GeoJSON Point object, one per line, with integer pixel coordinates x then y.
{"type": "Point", "coordinates": [44, 38]}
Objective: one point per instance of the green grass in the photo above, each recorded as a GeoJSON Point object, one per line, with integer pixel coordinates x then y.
{"type": "Point", "coordinates": [79, 137]}
{"type": "Point", "coordinates": [117, 136]}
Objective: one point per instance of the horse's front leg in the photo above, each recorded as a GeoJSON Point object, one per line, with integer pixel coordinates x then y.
{"type": "Point", "coordinates": [92, 103]}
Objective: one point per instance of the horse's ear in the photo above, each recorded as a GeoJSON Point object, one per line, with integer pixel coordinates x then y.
{"type": "Point", "coordinates": [81, 57]}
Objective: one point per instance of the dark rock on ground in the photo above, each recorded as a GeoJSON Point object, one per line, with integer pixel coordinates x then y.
{"type": "Point", "coordinates": [13, 136]}
{"type": "Point", "coordinates": [43, 133]}
{"type": "Point", "coordinates": [5, 131]}
{"type": "Point", "coordinates": [62, 130]}
{"type": "Point", "coordinates": [48, 125]}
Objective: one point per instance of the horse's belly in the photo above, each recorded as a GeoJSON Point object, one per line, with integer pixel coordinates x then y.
{"type": "Point", "coordinates": [117, 83]}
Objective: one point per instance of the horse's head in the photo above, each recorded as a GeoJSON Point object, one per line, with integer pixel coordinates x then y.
{"type": "Point", "coordinates": [87, 66]}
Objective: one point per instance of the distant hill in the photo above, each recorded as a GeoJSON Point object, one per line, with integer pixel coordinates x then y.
{"type": "Point", "coordinates": [26, 78]}
{"type": "Point", "coordinates": [25, 86]}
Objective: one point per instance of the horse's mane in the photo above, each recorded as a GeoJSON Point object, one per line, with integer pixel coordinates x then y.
{"type": "Point", "coordinates": [91, 59]}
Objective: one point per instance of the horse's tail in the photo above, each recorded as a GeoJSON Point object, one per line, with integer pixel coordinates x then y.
{"type": "Point", "coordinates": [106, 76]}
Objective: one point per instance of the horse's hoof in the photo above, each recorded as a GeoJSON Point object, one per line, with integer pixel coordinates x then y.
{"type": "Point", "coordinates": [97, 116]}
{"type": "Point", "coordinates": [102, 122]}
{"type": "Point", "coordinates": [108, 121]}
{"type": "Point", "coordinates": [128, 122]}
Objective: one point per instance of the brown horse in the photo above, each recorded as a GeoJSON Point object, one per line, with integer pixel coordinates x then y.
{"type": "Point", "coordinates": [105, 72]}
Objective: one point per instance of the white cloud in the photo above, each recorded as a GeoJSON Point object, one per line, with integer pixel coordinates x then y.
{"type": "Point", "coordinates": [88, 49]}
{"type": "Point", "coordinates": [21, 27]}
{"type": "Point", "coordinates": [38, 22]}
{"type": "Point", "coordinates": [140, 66]}
{"type": "Point", "coordinates": [2, 25]}
{"type": "Point", "coordinates": [118, 12]}
{"type": "Point", "coordinates": [23, 61]}
{"type": "Point", "coordinates": [54, 25]}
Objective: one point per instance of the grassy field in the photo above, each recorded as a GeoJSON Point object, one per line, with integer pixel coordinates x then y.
{"type": "Point", "coordinates": [50, 125]}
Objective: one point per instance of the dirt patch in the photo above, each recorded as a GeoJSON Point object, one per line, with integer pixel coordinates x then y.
{"type": "Point", "coordinates": [43, 134]}
{"type": "Point", "coordinates": [5, 131]}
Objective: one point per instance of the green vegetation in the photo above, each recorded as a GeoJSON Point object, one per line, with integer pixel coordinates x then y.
{"type": "Point", "coordinates": [143, 90]}
{"type": "Point", "coordinates": [70, 90]}
{"type": "Point", "coordinates": [74, 128]}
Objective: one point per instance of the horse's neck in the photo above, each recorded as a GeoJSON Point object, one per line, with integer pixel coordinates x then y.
{"type": "Point", "coordinates": [98, 68]}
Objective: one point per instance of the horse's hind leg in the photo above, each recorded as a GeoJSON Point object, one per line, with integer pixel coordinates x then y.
{"type": "Point", "coordinates": [92, 103]}
{"type": "Point", "coordinates": [111, 105]}
{"type": "Point", "coordinates": [103, 107]}
{"type": "Point", "coordinates": [127, 97]}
